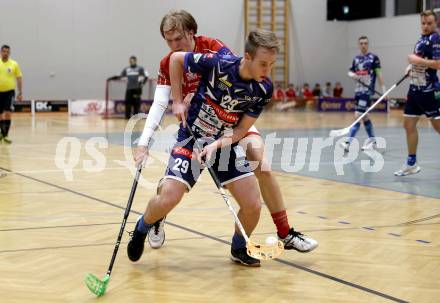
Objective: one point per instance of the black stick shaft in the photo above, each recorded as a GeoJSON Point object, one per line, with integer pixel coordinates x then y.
{"type": "Point", "coordinates": [124, 221]}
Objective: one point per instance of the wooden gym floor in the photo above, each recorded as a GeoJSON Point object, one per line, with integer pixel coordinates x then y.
{"type": "Point", "coordinates": [375, 245]}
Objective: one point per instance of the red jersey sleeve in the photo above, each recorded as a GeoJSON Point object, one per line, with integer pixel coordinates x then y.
{"type": "Point", "coordinates": [163, 77]}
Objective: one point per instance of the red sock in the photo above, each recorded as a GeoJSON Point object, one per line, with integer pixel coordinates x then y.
{"type": "Point", "coordinates": [282, 223]}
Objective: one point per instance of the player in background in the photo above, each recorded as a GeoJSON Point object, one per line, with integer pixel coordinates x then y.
{"type": "Point", "coordinates": [365, 68]}
{"type": "Point", "coordinates": [423, 94]}
{"type": "Point", "coordinates": [179, 29]}
{"type": "Point", "coordinates": [10, 77]}
{"type": "Point", "coordinates": [136, 77]}
{"type": "Point", "coordinates": [230, 97]}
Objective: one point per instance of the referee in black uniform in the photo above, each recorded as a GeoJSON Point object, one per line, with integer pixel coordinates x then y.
{"type": "Point", "coordinates": [136, 78]}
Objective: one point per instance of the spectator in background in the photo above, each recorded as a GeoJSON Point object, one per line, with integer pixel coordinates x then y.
{"type": "Point", "coordinates": [327, 90]}
{"type": "Point", "coordinates": [317, 92]}
{"type": "Point", "coordinates": [290, 92]}
{"type": "Point", "coordinates": [290, 99]}
{"type": "Point", "coordinates": [279, 95]}
{"type": "Point", "coordinates": [306, 92]}
{"type": "Point", "coordinates": [338, 90]}
{"type": "Point", "coordinates": [309, 98]}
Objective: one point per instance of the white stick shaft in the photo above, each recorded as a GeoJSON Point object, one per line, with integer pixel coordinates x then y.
{"type": "Point", "coordinates": [221, 190]}
{"type": "Point", "coordinates": [373, 106]}
{"type": "Point", "coordinates": [234, 214]}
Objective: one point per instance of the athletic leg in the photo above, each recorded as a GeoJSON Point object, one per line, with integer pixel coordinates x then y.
{"type": "Point", "coordinates": [128, 101]}
{"type": "Point", "coordinates": [181, 174]}
{"type": "Point", "coordinates": [245, 192]}
{"type": "Point", "coordinates": [137, 102]}
{"type": "Point", "coordinates": [5, 115]}
{"type": "Point", "coordinates": [436, 124]}
{"type": "Point", "coordinates": [254, 146]}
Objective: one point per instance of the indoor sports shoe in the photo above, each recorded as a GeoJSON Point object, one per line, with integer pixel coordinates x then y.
{"type": "Point", "coordinates": [135, 246]}
{"type": "Point", "coordinates": [298, 241]}
{"type": "Point", "coordinates": [408, 170]}
{"type": "Point", "coordinates": [6, 140]}
{"type": "Point", "coordinates": [240, 256]}
{"type": "Point", "coordinates": [156, 235]}
{"type": "Point", "coordinates": [369, 144]}
{"type": "Point", "coordinates": [345, 146]}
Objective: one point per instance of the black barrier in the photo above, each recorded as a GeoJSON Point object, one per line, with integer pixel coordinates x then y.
{"type": "Point", "coordinates": [42, 106]}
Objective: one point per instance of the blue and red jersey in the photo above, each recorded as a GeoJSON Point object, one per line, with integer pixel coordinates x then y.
{"type": "Point", "coordinates": [365, 66]}
{"type": "Point", "coordinates": [222, 97]}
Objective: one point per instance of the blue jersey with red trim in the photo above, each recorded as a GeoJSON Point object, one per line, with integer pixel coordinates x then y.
{"type": "Point", "coordinates": [222, 97]}
{"type": "Point", "coordinates": [365, 67]}
{"type": "Point", "coordinates": [423, 78]}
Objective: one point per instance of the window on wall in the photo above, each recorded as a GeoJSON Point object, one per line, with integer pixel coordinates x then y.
{"type": "Point", "coordinates": [406, 7]}
{"type": "Point", "coordinates": [355, 9]}
{"type": "Point", "coordinates": [432, 4]}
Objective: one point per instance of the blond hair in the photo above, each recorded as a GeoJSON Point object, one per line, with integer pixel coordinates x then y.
{"type": "Point", "coordinates": [261, 38]}
{"type": "Point", "coordinates": [428, 13]}
{"type": "Point", "coordinates": [178, 20]}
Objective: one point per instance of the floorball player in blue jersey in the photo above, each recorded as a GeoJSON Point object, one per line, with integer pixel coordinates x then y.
{"type": "Point", "coordinates": [231, 95]}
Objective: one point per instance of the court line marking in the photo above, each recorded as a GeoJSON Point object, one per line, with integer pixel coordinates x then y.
{"type": "Point", "coordinates": [84, 245]}
{"type": "Point", "coordinates": [219, 236]}
{"type": "Point", "coordinates": [373, 228]}
{"type": "Point", "coordinates": [315, 272]}
{"type": "Point", "coordinates": [37, 171]}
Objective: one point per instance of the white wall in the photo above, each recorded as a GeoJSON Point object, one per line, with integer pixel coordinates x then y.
{"type": "Point", "coordinates": [67, 48]}
{"type": "Point", "coordinates": [318, 48]}
{"type": "Point", "coordinates": [392, 39]}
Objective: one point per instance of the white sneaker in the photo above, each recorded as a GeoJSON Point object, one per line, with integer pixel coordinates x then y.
{"type": "Point", "coordinates": [345, 146]}
{"type": "Point", "coordinates": [369, 144]}
{"type": "Point", "coordinates": [408, 170]}
{"type": "Point", "coordinates": [298, 241]}
{"type": "Point", "coordinates": [156, 234]}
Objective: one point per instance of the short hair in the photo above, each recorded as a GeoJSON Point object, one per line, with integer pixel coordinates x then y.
{"type": "Point", "coordinates": [133, 57]}
{"type": "Point", "coordinates": [428, 13]}
{"type": "Point", "coordinates": [261, 38]}
{"type": "Point", "coordinates": [363, 38]}
{"type": "Point", "coordinates": [5, 46]}
{"type": "Point", "coordinates": [178, 20]}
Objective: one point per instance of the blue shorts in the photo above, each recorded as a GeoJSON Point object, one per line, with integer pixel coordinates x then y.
{"type": "Point", "coordinates": [419, 103]}
{"type": "Point", "coordinates": [363, 102]}
{"type": "Point", "coordinates": [230, 164]}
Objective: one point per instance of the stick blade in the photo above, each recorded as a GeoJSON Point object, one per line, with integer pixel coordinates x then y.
{"type": "Point", "coordinates": [95, 285]}
{"type": "Point", "coordinates": [339, 132]}
{"type": "Point", "coordinates": [265, 251]}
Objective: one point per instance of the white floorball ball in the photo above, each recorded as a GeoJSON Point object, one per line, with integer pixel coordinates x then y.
{"type": "Point", "coordinates": [271, 240]}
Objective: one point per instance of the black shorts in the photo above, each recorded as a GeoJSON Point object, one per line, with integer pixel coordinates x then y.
{"type": "Point", "coordinates": [133, 95]}
{"type": "Point", "coordinates": [6, 99]}
{"type": "Point", "coordinates": [419, 103]}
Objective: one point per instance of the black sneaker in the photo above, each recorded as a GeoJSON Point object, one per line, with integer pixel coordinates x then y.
{"type": "Point", "coordinates": [240, 256]}
{"type": "Point", "coordinates": [135, 246]}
